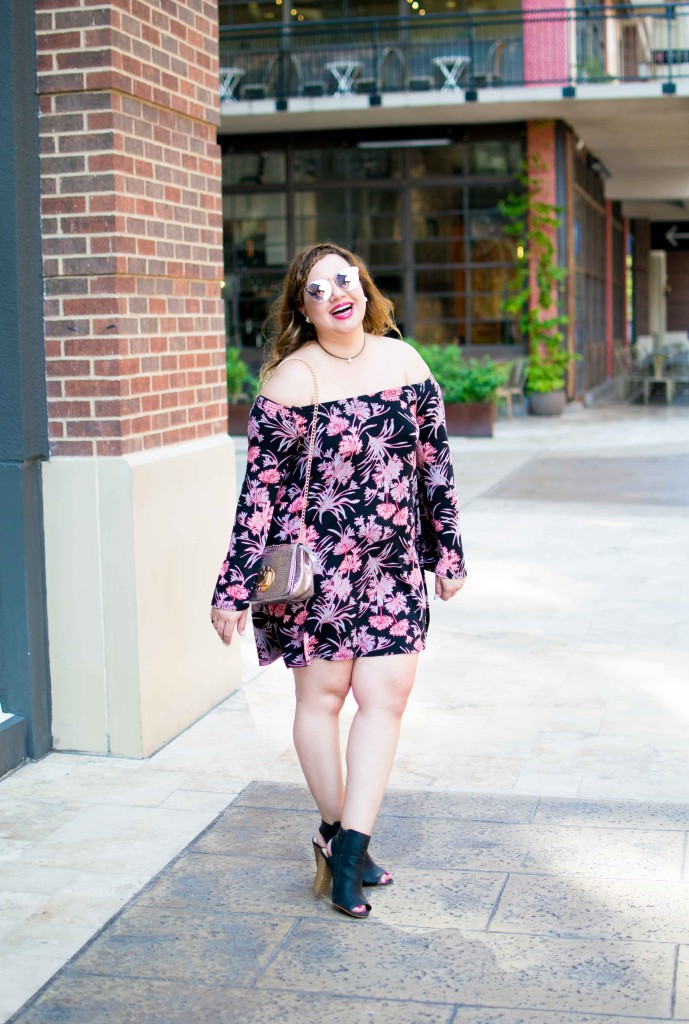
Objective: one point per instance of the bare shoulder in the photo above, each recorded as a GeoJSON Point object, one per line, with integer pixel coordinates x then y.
{"type": "Point", "coordinates": [290, 384]}
{"type": "Point", "coordinates": [415, 369]}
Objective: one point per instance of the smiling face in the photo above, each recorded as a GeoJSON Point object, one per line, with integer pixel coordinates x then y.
{"type": "Point", "coordinates": [341, 314]}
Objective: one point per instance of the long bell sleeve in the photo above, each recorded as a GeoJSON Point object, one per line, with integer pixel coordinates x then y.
{"type": "Point", "coordinates": [274, 434]}
{"type": "Point", "coordinates": [439, 539]}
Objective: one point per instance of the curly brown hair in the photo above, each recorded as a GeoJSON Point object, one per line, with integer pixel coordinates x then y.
{"type": "Point", "coordinates": [286, 328]}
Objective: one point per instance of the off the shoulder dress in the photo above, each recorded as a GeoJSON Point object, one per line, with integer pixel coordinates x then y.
{"type": "Point", "coordinates": [381, 509]}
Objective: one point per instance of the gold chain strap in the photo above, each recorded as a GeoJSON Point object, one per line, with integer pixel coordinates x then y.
{"type": "Point", "coordinates": [312, 440]}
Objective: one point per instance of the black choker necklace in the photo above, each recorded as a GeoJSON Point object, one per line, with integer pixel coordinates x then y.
{"type": "Point", "coordinates": [346, 359]}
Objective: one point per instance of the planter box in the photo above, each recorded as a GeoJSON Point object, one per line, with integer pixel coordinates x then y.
{"type": "Point", "coordinates": [238, 418]}
{"type": "Point", "coordinates": [470, 419]}
{"type": "Point", "coordinates": [552, 403]}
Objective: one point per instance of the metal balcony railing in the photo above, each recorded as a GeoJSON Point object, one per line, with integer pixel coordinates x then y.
{"type": "Point", "coordinates": [375, 56]}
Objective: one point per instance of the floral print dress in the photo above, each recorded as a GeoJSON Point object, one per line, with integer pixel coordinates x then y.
{"type": "Point", "coordinates": [381, 509]}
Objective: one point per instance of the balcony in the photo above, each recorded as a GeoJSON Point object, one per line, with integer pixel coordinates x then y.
{"type": "Point", "coordinates": [371, 61]}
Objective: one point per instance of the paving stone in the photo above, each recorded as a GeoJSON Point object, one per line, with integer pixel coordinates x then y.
{"type": "Point", "coordinates": [417, 898]}
{"type": "Point", "coordinates": [22, 976]}
{"type": "Point", "coordinates": [463, 806]}
{"type": "Point", "coordinates": [682, 999]}
{"type": "Point", "coordinates": [479, 846]}
{"type": "Point", "coordinates": [655, 480]}
{"type": "Point", "coordinates": [570, 908]}
{"type": "Point", "coordinates": [247, 831]}
{"type": "Point", "coordinates": [446, 804]}
{"type": "Point", "coordinates": [605, 853]}
{"type": "Point", "coordinates": [272, 795]}
{"type": "Point", "coordinates": [635, 814]}
{"type": "Point", "coordinates": [470, 968]}
{"type": "Point", "coordinates": [194, 947]}
{"type": "Point", "coordinates": [478, 1015]}
{"type": "Point", "coordinates": [96, 1000]}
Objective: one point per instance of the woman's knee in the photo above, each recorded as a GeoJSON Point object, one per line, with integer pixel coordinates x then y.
{"type": "Point", "coordinates": [389, 696]}
{"type": "Point", "coordinates": [322, 691]}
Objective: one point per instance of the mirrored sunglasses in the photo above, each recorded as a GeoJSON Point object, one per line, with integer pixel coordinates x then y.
{"type": "Point", "coordinates": [322, 289]}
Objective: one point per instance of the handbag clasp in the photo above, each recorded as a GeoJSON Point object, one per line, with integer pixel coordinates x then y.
{"type": "Point", "coordinates": [266, 578]}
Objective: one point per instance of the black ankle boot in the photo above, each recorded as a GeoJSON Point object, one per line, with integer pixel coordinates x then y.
{"type": "Point", "coordinates": [373, 874]}
{"type": "Point", "coordinates": [347, 865]}
{"type": "Point", "coordinates": [328, 831]}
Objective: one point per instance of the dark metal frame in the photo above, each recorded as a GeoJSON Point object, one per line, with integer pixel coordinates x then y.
{"type": "Point", "coordinates": [24, 672]}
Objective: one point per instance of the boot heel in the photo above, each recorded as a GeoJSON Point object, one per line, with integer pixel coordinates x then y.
{"type": "Point", "coordinates": [321, 883]}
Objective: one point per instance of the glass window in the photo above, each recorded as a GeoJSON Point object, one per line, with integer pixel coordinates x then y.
{"type": "Point", "coordinates": [438, 161]}
{"type": "Point", "coordinates": [438, 225]}
{"type": "Point", "coordinates": [487, 239]}
{"type": "Point", "coordinates": [257, 12]}
{"type": "Point", "coordinates": [365, 220]}
{"type": "Point", "coordinates": [255, 230]}
{"type": "Point", "coordinates": [437, 248]}
{"type": "Point", "coordinates": [441, 304]}
{"type": "Point", "coordinates": [495, 157]}
{"type": "Point", "coordinates": [354, 164]}
{"type": "Point", "coordinates": [248, 297]}
{"type": "Point", "coordinates": [267, 167]}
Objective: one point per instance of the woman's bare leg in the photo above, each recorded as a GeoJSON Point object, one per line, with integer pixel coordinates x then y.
{"type": "Point", "coordinates": [381, 687]}
{"type": "Point", "coordinates": [321, 689]}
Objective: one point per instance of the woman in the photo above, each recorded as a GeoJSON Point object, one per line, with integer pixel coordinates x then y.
{"type": "Point", "coordinates": [381, 508]}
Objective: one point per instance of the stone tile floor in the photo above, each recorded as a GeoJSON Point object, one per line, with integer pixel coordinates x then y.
{"type": "Point", "coordinates": [560, 672]}
{"type": "Point", "coordinates": [508, 909]}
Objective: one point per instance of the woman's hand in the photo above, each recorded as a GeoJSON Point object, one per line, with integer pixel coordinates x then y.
{"type": "Point", "coordinates": [445, 589]}
{"type": "Point", "coordinates": [224, 623]}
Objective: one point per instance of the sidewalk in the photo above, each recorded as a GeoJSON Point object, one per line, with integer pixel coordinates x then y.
{"type": "Point", "coordinates": [551, 885]}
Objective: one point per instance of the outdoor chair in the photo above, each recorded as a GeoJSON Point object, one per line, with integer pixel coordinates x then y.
{"type": "Point", "coordinates": [654, 374]}
{"type": "Point", "coordinates": [491, 70]}
{"type": "Point", "coordinates": [263, 86]}
{"type": "Point", "coordinates": [513, 386]}
{"type": "Point", "coordinates": [392, 72]}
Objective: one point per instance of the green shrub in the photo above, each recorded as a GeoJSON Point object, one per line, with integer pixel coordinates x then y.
{"type": "Point", "coordinates": [460, 379]}
{"type": "Point", "coordinates": [242, 385]}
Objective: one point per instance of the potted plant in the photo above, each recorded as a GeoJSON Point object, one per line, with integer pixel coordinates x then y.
{"type": "Point", "coordinates": [535, 292]}
{"type": "Point", "coordinates": [242, 386]}
{"type": "Point", "coordinates": [468, 387]}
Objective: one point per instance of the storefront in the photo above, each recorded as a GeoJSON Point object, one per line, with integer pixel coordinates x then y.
{"type": "Point", "coordinates": [421, 207]}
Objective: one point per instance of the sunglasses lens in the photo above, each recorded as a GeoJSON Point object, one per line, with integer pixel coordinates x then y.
{"type": "Point", "coordinates": [319, 290]}
{"type": "Point", "coordinates": [348, 279]}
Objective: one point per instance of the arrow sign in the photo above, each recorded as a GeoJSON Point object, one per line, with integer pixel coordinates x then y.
{"type": "Point", "coordinates": [672, 236]}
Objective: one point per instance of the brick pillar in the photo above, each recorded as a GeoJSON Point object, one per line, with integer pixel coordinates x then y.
{"type": "Point", "coordinates": [545, 42]}
{"type": "Point", "coordinates": [132, 223]}
{"type": "Point", "coordinates": [132, 245]}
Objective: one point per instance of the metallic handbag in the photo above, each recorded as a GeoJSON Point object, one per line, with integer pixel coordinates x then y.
{"type": "Point", "coordinates": [287, 570]}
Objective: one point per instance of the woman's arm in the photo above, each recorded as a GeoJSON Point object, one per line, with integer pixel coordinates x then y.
{"type": "Point", "coordinates": [440, 542]}
{"type": "Point", "coordinates": [274, 435]}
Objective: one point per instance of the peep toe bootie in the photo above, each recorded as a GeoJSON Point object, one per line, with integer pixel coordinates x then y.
{"type": "Point", "coordinates": [373, 873]}
{"type": "Point", "coordinates": [347, 864]}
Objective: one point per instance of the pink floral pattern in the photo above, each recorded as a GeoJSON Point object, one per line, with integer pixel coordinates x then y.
{"type": "Point", "coordinates": [382, 507]}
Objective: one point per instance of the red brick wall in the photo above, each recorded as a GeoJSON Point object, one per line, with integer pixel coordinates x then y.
{"type": "Point", "coordinates": [540, 145]}
{"type": "Point", "coordinates": [131, 222]}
